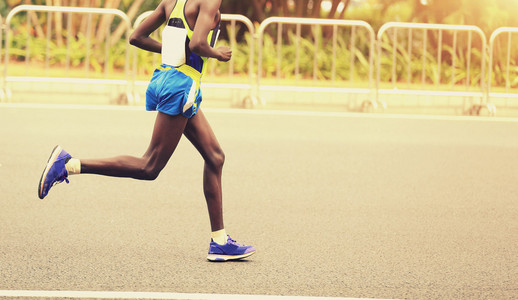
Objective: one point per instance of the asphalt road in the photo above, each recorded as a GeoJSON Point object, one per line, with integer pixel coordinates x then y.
{"type": "Point", "coordinates": [337, 205]}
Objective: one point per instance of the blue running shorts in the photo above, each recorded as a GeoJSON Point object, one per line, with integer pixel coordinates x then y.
{"type": "Point", "coordinates": [174, 90]}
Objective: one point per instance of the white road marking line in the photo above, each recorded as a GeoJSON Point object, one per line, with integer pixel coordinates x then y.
{"type": "Point", "coordinates": [274, 112]}
{"type": "Point", "coordinates": [72, 106]}
{"type": "Point", "coordinates": [363, 115]}
{"type": "Point", "coordinates": [157, 295]}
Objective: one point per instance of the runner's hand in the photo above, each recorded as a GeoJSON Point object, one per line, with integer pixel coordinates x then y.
{"type": "Point", "coordinates": [224, 53]}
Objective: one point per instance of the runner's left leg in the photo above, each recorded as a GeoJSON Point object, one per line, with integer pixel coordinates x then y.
{"type": "Point", "coordinates": [166, 135]}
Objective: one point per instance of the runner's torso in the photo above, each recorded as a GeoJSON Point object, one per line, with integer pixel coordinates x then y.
{"type": "Point", "coordinates": [178, 32]}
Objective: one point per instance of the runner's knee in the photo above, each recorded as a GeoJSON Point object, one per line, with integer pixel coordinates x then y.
{"type": "Point", "coordinates": [150, 173]}
{"type": "Point", "coordinates": [150, 169]}
{"type": "Point", "coordinates": [216, 159]}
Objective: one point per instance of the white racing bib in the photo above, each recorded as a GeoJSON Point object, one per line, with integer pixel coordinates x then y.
{"type": "Point", "coordinates": [173, 46]}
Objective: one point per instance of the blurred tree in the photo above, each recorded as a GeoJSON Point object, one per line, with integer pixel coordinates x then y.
{"type": "Point", "coordinates": [132, 13]}
{"type": "Point", "coordinates": [106, 20]}
{"type": "Point", "coordinates": [258, 10]}
{"type": "Point", "coordinates": [487, 14]}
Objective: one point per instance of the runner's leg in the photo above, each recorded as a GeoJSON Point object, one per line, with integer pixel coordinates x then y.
{"type": "Point", "coordinates": [199, 132]}
{"type": "Point", "coordinates": [166, 135]}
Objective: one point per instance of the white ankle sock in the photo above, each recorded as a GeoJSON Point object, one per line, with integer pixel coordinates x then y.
{"type": "Point", "coordinates": [73, 166]}
{"type": "Point", "coordinates": [219, 237]}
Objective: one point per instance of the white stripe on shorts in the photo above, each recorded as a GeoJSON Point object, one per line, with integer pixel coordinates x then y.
{"type": "Point", "coordinates": [191, 97]}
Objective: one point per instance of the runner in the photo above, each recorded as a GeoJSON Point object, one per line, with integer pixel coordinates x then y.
{"type": "Point", "coordinates": [174, 91]}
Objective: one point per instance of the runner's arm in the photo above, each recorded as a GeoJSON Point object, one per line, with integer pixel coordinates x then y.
{"type": "Point", "coordinates": [140, 37]}
{"type": "Point", "coordinates": [199, 44]}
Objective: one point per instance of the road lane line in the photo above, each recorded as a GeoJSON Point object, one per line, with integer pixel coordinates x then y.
{"type": "Point", "coordinates": [274, 112]}
{"type": "Point", "coordinates": [157, 295]}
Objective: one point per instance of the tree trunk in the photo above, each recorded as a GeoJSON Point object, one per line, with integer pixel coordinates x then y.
{"type": "Point", "coordinates": [83, 17]}
{"type": "Point", "coordinates": [328, 32]}
{"type": "Point", "coordinates": [285, 8]}
{"type": "Point", "coordinates": [87, 26]}
{"type": "Point", "coordinates": [334, 6]}
{"type": "Point", "coordinates": [276, 7]}
{"type": "Point", "coordinates": [259, 6]}
{"type": "Point", "coordinates": [95, 18]}
{"type": "Point", "coordinates": [305, 9]}
{"type": "Point", "coordinates": [35, 22]}
{"type": "Point", "coordinates": [74, 22]}
{"type": "Point", "coordinates": [58, 21]}
{"type": "Point", "coordinates": [299, 10]}
{"type": "Point", "coordinates": [317, 4]}
{"type": "Point", "coordinates": [106, 20]}
{"type": "Point", "coordinates": [342, 13]}
{"type": "Point", "coordinates": [121, 29]}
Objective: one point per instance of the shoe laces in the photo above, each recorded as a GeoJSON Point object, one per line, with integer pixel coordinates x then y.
{"type": "Point", "coordinates": [231, 241]}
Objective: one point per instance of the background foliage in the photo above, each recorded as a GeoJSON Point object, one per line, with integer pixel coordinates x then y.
{"type": "Point", "coordinates": [486, 14]}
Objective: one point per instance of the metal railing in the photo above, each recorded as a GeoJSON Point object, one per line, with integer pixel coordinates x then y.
{"type": "Point", "coordinates": [1, 35]}
{"type": "Point", "coordinates": [454, 66]}
{"type": "Point", "coordinates": [3, 90]}
{"type": "Point", "coordinates": [510, 62]}
{"type": "Point", "coordinates": [317, 24]}
{"type": "Point", "coordinates": [48, 34]}
{"type": "Point", "coordinates": [251, 46]}
{"type": "Point", "coordinates": [402, 54]}
{"type": "Point", "coordinates": [225, 18]}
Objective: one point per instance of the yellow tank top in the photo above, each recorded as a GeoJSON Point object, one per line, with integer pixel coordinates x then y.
{"type": "Point", "coordinates": [176, 37]}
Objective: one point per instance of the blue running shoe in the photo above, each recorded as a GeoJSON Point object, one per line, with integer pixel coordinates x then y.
{"type": "Point", "coordinates": [54, 172]}
{"type": "Point", "coordinates": [230, 251]}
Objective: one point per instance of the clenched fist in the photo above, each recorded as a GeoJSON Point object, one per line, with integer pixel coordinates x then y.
{"type": "Point", "coordinates": [224, 53]}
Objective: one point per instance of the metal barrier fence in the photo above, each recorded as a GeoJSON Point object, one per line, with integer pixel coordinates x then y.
{"type": "Point", "coordinates": [30, 9]}
{"type": "Point", "coordinates": [509, 69]}
{"type": "Point", "coordinates": [458, 62]}
{"type": "Point", "coordinates": [2, 88]}
{"type": "Point", "coordinates": [228, 85]}
{"type": "Point", "coordinates": [462, 65]}
{"type": "Point", "coordinates": [349, 55]}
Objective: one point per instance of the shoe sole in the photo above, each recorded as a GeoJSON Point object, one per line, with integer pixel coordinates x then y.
{"type": "Point", "coordinates": [53, 156]}
{"type": "Point", "coordinates": [220, 257]}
